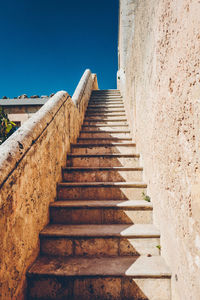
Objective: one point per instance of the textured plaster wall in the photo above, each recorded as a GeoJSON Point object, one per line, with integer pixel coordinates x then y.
{"type": "Point", "coordinates": [30, 166]}
{"type": "Point", "coordinates": [21, 113]}
{"type": "Point", "coordinates": [160, 81]}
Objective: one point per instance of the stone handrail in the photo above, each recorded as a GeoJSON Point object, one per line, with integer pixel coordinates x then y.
{"type": "Point", "coordinates": [30, 167]}
{"type": "Point", "coordinates": [16, 147]}
{"type": "Point", "coordinates": [81, 87]}
{"type": "Point", "coordinates": [78, 94]}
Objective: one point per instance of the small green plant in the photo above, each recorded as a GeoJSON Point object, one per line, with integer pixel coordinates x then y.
{"type": "Point", "coordinates": [159, 247]}
{"type": "Point", "coordinates": [146, 198]}
{"type": "Point", "coordinates": [6, 126]}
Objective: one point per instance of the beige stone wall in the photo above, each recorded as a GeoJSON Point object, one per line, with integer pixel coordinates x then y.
{"type": "Point", "coordinates": [160, 81]}
{"type": "Point", "coordinates": [21, 113]}
{"type": "Point", "coordinates": [30, 166]}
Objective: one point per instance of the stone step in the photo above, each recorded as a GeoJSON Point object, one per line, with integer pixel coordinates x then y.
{"type": "Point", "coordinates": [105, 127]}
{"type": "Point", "coordinates": [99, 95]}
{"type": "Point", "coordinates": [105, 116]}
{"type": "Point", "coordinates": [100, 174]}
{"type": "Point", "coordinates": [100, 190]}
{"type": "Point", "coordinates": [97, 123]}
{"type": "Point", "coordinates": [105, 148]}
{"type": "Point", "coordinates": [101, 212]}
{"type": "Point", "coordinates": [106, 94]}
{"type": "Point", "coordinates": [99, 110]}
{"type": "Point", "coordinates": [120, 121]}
{"type": "Point", "coordinates": [106, 113]}
{"type": "Point", "coordinates": [106, 103]}
{"type": "Point", "coordinates": [103, 160]}
{"type": "Point", "coordinates": [107, 278]}
{"type": "Point", "coordinates": [105, 106]}
{"type": "Point", "coordinates": [105, 131]}
{"type": "Point", "coordinates": [105, 97]}
{"type": "Point", "coordinates": [106, 91]}
{"type": "Point", "coordinates": [103, 140]}
{"type": "Point", "coordinates": [115, 91]}
{"type": "Point", "coordinates": [105, 134]}
{"type": "Point", "coordinates": [99, 240]}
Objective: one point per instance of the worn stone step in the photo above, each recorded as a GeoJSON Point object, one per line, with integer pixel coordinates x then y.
{"type": "Point", "coordinates": [100, 93]}
{"type": "Point", "coordinates": [105, 120]}
{"type": "Point", "coordinates": [106, 104]}
{"type": "Point", "coordinates": [108, 278]}
{"type": "Point", "coordinates": [105, 131]}
{"type": "Point", "coordinates": [105, 107]}
{"type": "Point", "coordinates": [105, 97]}
{"type": "Point", "coordinates": [105, 148]}
{"type": "Point", "coordinates": [105, 116]}
{"type": "Point", "coordinates": [104, 94]}
{"type": "Point", "coordinates": [101, 212]}
{"type": "Point", "coordinates": [106, 91]}
{"type": "Point", "coordinates": [108, 96]}
{"type": "Point", "coordinates": [100, 190]}
{"type": "Point", "coordinates": [115, 204]}
{"type": "Point", "coordinates": [117, 95]}
{"type": "Point", "coordinates": [100, 174]}
{"type": "Point", "coordinates": [91, 231]}
{"type": "Point", "coordinates": [105, 127]}
{"type": "Point", "coordinates": [104, 140]}
{"type": "Point", "coordinates": [105, 113]}
{"type": "Point", "coordinates": [111, 106]}
{"type": "Point", "coordinates": [106, 123]}
{"type": "Point", "coordinates": [103, 160]}
{"type": "Point", "coordinates": [108, 111]}
{"type": "Point", "coordinates": [98, 96]}
{"type": "Point", "coordinates": [99, 240]}
{"type": "Point", "coordinates": [102, 134]}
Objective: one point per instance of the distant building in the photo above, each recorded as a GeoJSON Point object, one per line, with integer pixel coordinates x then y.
{"type": "Point", "coordinates": [20, 110]}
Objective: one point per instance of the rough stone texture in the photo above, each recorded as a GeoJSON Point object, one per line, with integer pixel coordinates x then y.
{"type": "Point", "coordinates": [30, 165]}
{"type": "Point", "coordinates": [105, 288]}
{"type": "Point", "coordinates": [99, 288]}
{"type": "Point", "coordinates": [21, 113]}
{"type": "Point", "coordinates": [159, 80]}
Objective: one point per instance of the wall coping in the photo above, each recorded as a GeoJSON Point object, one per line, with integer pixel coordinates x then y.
{"type": "Point", "coordinates": [81, 87]}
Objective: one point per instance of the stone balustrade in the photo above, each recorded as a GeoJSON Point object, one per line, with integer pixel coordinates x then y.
{"type": "Point", "coordinates": [30, 167]}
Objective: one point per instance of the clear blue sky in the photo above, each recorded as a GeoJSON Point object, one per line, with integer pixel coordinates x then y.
{"type": "Point", "coordinates": [47, 44]}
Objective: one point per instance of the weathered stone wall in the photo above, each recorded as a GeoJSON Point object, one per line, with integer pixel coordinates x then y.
{"type": "Point", "coordinates": [30, 167]}
{"type": "Point", "coordinates": [21, 113]}
{"type": "Point", "coordinates": [160, 81]}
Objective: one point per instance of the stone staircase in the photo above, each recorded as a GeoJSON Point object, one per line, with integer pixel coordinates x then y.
{"type": "Point", "coordinates": [101, 243]}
